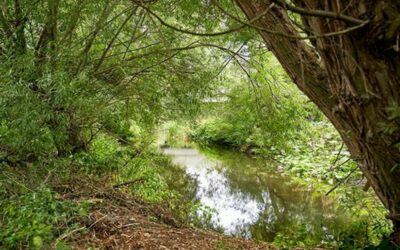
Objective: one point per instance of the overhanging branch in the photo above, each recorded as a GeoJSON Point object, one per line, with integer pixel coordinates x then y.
{"type": "Point", "coordinates": [194, 33]}
{"type": "Point", "coordinates": [319, 13]}
{"type": "Point", "coordinates": [316, 36]}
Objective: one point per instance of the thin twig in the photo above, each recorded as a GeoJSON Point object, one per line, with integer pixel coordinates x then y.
{"type": "Point", "coordinates": [194, 33]}
{"type": "Point", "coordinates": [65, 235]}
{"type": "Point", "coordinates": [97, 221]}
{"type": "Point", "coordinates": [337, 157]}
{"type": "Point", "coordinates": [135, 181]}
{"type": "Point", "coordinates": [342, 181]}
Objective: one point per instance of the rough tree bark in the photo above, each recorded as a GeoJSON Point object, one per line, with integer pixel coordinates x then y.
{"type": "Point", "coordinates": [354, 78]}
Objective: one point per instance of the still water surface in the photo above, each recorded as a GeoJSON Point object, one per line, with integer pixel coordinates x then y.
{"type": "Point", "coordinates": [253, 200]}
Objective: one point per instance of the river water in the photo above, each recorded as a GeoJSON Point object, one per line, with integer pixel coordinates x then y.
{"type": "Point", "coordinates": [253, 200]}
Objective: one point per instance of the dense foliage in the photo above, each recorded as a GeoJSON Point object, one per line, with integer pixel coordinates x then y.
{"type": "Point", "coordinates": [85, 86]}
{"type": "Point", "coordinates": [271, 118]}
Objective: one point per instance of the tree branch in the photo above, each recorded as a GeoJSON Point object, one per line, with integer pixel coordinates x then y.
{"type": "Point", "coordinates": [342, 181]}
{"type": "Point", "coordinates": [319, 13]}
{"type": "Point", "coordinates": [110, 44]}
{"type": "Point", "coordinates": [194, 33]}
{"type": "Point", "coordinates": [336, 33]}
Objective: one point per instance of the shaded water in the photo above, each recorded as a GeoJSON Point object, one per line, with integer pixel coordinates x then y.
{"type": "Point", "coordinates": [253, 200]}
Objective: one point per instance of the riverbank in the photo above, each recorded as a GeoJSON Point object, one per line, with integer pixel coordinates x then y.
{"type": "Point", "coordinates": [85, 211]}
{"type": "Point", "coordinates": [117, 220]}
{"type": "Point", "coordinates": [122, 200]}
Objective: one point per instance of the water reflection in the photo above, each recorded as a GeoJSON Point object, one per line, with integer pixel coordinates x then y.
{"type": "Point", "coordinates": [254, 201]}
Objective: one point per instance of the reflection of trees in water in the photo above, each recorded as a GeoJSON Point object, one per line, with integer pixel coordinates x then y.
{"type": "Point", "coordinates": [178, 180]}
{"type": "Point", "coordinates": [297, 210]}
{"type": "Point", "coordinates": [287, 208]}
{"type": "Point", "coordinates": [264, 203]}
{"type": "Point", "coordinates": [242, 230]}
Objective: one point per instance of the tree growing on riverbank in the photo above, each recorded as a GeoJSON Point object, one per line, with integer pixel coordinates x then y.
{"type": "Point", "coordinates": [351, 70]}
{"type": "Point", "coordinates": [344, 55]}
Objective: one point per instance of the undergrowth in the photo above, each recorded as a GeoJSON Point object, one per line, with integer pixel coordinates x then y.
{"type": "Point", "coordinates": [36, 218]}
{"type": "Point", "coordinates": [34, 215]}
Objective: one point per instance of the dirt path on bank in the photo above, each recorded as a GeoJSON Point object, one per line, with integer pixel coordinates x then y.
{"type": "Point", "coordinates": [119, 221]}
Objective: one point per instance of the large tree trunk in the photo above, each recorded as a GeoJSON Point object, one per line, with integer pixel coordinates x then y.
{"type": "Point", "coordinates": [354, 78]}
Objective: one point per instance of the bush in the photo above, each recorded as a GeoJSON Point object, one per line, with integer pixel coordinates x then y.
{"type": "Point", "coordinates": [34, 219]}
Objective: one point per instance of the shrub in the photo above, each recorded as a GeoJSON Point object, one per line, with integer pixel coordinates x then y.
{"type": "Point", "coordinates": [34, 219]}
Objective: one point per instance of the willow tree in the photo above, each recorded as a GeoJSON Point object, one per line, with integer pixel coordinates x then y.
{"type": "Point", "coordinates": [350, 69]}
{"type": "Point", "coordinates": [71, 70]}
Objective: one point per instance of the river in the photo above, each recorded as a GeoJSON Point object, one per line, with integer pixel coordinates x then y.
{"type": "Point", "coordinates": [251, 199]}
